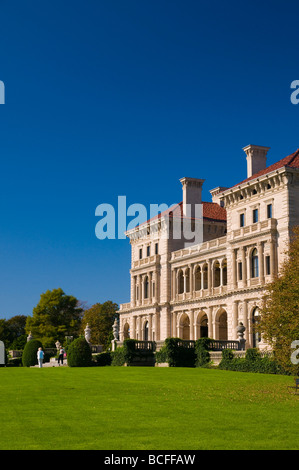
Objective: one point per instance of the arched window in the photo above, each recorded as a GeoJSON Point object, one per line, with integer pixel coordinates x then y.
{"type": "Point", "coordinates": [184, 327]}
{"type": "Point", "coordinates": [181, 282]}
{"type": "Point", "coordinates": [126, 331]}
{"type": "Point", "coordinates": [256, 336]}
{"type": "Point", "coordinates": [146, 285]}
{"type": "Point", "coordinates": [216, 274]}
{"type": "Point", "coordinates": [204, 327]}
{"type": "Point", "coordinates": [254, 264]}
{"type": "Point", "coordinates": [198, 278]}
{"type": "Point", "coordinates": [145, 331]}
{"type": "Point", "coordinates": [205, 276]}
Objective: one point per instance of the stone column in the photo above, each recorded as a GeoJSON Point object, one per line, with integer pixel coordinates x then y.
{"type": "Point", "coordinates": [134, 327]}
{"type": "Point", "coordinates": [191, 283]}
{"type": "Point", "coordinates": [235, 318]}
{"type": "Point", "coordinates": [150, 327]}
{"type": "Point", "coordinates": [157, 326]}
{"type": "Point", "coordinates": [185, 281]}
{"type": "Point", "coordinates": [244, 275]}
{"type": "Point", "coordinates": [174, 325]}
{"type": "Point", "coordinates": [261, 262]}
{"type": "Point", "coordinates": [173, 284]}
{"type": "Point", "coordinates": [210, 322]}
{"type": "Point", "coordinates": [209, 276]}
{"type": "Point", "coordinates": [150, 287]}
{"type": "Point", "coordinates": [272, 258]}
{"type": "Point", "coordinates": [191, 316]}
{"type": "Point", "coordinates": [245, 320]}
{"type": "Point", "coordinates": [234, 268]}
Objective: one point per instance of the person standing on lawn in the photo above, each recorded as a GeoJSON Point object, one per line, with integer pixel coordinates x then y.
{"type": "Point", "coordinates": [61, 354]}
{"type": "Point", "coordinates": [40, 357]}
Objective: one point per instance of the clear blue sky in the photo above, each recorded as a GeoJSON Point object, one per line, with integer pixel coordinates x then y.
{"type": "Point", "coordinates": [114, 97]}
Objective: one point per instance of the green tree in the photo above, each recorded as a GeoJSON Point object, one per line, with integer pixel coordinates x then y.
{"type": "Point", "coordinates": [100, 318]}
{"type": "Point", "coordinates": [279, 315]}
{"type": "Point", "coordinates": [12, 332]}
{"type": "Point", "coordinates": [55, 316]}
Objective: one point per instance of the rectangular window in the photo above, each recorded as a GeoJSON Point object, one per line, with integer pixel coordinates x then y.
{"type": "Point", "coordinates": [240, 270]}
{"type": "Point", "coordinates": [140, 253]}
{"type": "Point", "coordinates": [269, 211]}
{"type": "Point", "coordinates": [268, 271]}
{"type": "Point", "coordinates": [255, 216]}
{"type": "Point", "coordinates": [156, 248]}
{"type": "Point", "coordinates": [148, 250]}
{"type": "Point", "coordinates": [242, 220]}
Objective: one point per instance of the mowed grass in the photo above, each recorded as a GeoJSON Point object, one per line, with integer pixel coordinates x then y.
{"type": "Point", "coordinates": [132, 408]}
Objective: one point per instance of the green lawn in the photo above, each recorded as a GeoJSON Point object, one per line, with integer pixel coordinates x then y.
{"type": "Point", "coordinates": [132, 408]}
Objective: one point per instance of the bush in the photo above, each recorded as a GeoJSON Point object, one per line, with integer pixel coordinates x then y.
{"type": "Point", "coordinates": [252, 354]}
{"type": "Point", "coordinates": [178, 353]}
{"type": "Point", "coordinates": [118, 357]}
{"type": "Point", "coordinates": [29, 356]}
{"type": "Point", "coordinates": [161, 355]}
{"type": "Point", "coordinates": [253, 362]}
{"type": "Point", "coordinates": [103, 359]}
{"type": "Point", "coordinates": [201, 352]}
{"type": "Point", "coordinates": [79, 353]}
{"type": "Point", "coordinates": [127, 354]}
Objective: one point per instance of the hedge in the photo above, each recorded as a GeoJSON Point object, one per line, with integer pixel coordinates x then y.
{"type": "Point", "coordinates": [202, 352]}
{"type": "Point", "coordinates": [178, 354]}
{"type": "Point", "coordinates": [253, 362]}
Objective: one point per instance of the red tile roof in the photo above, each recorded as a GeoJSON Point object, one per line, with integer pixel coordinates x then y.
{"type": "Point", "coordinates": [211, 211]}
{"type": "Point", "coordinates": [291, 161]}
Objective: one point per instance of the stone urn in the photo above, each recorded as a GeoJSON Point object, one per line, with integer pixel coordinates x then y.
{"type": "Point", "coordinates": [240, 330]}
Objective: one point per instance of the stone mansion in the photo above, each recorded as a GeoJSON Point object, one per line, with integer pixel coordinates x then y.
{"type": "Point", "coordinates": [206, 289]}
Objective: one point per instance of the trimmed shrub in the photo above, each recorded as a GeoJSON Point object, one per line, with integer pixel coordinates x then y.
{"type": "Point", "coordinates": [201, 351]}
{"type": "Point", "coordinates": [29, 356]}
{"type": "Point", "coordinates": [79, 353]}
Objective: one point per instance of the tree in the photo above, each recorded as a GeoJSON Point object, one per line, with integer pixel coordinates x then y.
{"type": "Point", "coordinates": [279, 315]}
{"type": "Point", "coordinates": [12, 332]}
{"type": "Point", "coordinates": [100, 318]}
{"type": "Point", "coordinates": [55, 316]}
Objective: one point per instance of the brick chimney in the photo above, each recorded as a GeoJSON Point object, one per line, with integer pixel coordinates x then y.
{"type": "Point", "coordinates": [192, 188]}
{"type": "Point", "coordinates": [256, 158]}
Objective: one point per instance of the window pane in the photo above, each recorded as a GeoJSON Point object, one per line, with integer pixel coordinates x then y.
{"type": "Point", "coordinates": [242, 220]}
{"type": "Point", "coordinates": [269, 211]}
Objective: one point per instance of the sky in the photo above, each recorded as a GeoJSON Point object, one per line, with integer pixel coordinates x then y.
{"type": "Point", "coordinates": [108, 98]}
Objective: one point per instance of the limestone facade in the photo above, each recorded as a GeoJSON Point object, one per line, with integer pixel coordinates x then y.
{"type": "Point", "coordinates": [207, 288]}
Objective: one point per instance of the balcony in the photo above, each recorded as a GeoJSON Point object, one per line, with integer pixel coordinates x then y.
{"type": "Point", "coordinates": [198, 249]}
{"type": "Point", "coordinates": [263, 226]}
{"type": "Point", "coordinates": [144, 262]}
{"type": "Point", "coordinates": [126, 306]}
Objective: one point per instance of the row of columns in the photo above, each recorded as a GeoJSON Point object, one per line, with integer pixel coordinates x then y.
{"type": "Point", "coordinates": [239, 312]}
{"type": "Point", "coordinates": [138, 288]}
{"type": "Point", "coordinates": [189, 271]}
{"type": "Point", "coordinates": [246, 262]}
